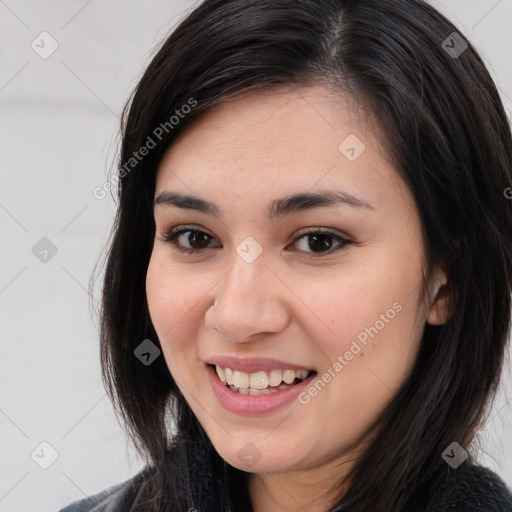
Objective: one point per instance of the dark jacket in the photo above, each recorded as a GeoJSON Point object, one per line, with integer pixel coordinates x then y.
{"type": "Point", "coordinates": [478, 490]}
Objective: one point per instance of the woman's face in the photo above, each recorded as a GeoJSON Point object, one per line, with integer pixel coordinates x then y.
{"type": "Point", "coordinates": [331, 286]}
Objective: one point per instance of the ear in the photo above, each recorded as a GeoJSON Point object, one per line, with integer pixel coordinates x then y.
{"type": "Point", "coordinates": [439, 295]}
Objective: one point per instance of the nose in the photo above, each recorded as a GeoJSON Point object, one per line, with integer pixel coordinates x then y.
{"type": "Point", "coordinates": [250, 302]}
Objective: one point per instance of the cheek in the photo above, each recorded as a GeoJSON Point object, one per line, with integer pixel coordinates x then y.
{"type": "Point", "coordinates": [173, 302]}
{"type": "Point", "coordinates": [374, 322]}
{"type": "Point", "coordinates": [382, 297]}
{"type": "Point", "coordinates": [370, 355]}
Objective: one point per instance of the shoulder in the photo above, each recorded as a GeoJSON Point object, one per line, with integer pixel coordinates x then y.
{"type": "Point", "coordinates": [116, 498]}
{"type": "Point", "coordinates": [474, 489]}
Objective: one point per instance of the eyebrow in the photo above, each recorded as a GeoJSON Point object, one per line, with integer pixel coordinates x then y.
{"type": "Point", "coordinates": [276, 209]}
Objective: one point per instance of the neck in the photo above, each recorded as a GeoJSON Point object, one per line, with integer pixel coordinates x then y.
{"type": "Point", "coordinates": [295, 491]}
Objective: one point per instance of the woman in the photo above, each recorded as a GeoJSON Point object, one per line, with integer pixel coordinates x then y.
{"type": "Point", "coordinates": [307, 294]}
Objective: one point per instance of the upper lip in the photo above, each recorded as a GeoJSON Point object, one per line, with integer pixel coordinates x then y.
{"type": "Point", "coordinates": [253, 364]}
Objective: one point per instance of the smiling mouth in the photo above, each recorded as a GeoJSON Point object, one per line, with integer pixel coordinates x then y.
{"type": "Point", "coordinates": [261, 382]}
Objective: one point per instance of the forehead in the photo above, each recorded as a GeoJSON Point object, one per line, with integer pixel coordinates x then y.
{"type": "Point", "coordinates": [280, 140]}
{"type": "Point", "coordinates": [274, 116]}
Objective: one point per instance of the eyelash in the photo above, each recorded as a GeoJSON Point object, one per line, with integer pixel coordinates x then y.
{"type": "Point", "coordinates": [173, 233]}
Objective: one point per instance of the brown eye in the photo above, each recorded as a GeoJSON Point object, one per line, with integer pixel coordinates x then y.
{"type": "Point", "coordinates": [315, 243]}
{"type": "Point", "coordinates": [196, 239]}
{"type": "Point", "coordinates": [318, 242]}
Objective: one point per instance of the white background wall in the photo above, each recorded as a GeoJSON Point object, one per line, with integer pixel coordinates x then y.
{"type": "Point", "coordinates": [58, 122]}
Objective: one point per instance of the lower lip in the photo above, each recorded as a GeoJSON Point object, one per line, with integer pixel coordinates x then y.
{"type": "Point", "coordinates": [254, 405]}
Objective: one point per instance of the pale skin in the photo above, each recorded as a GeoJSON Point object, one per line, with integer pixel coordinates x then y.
{"type": "Point", "coordinates": [294, 302]}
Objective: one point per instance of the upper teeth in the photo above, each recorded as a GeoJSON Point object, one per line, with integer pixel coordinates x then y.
{"type": "Point", "coordinates": [258, 380]}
